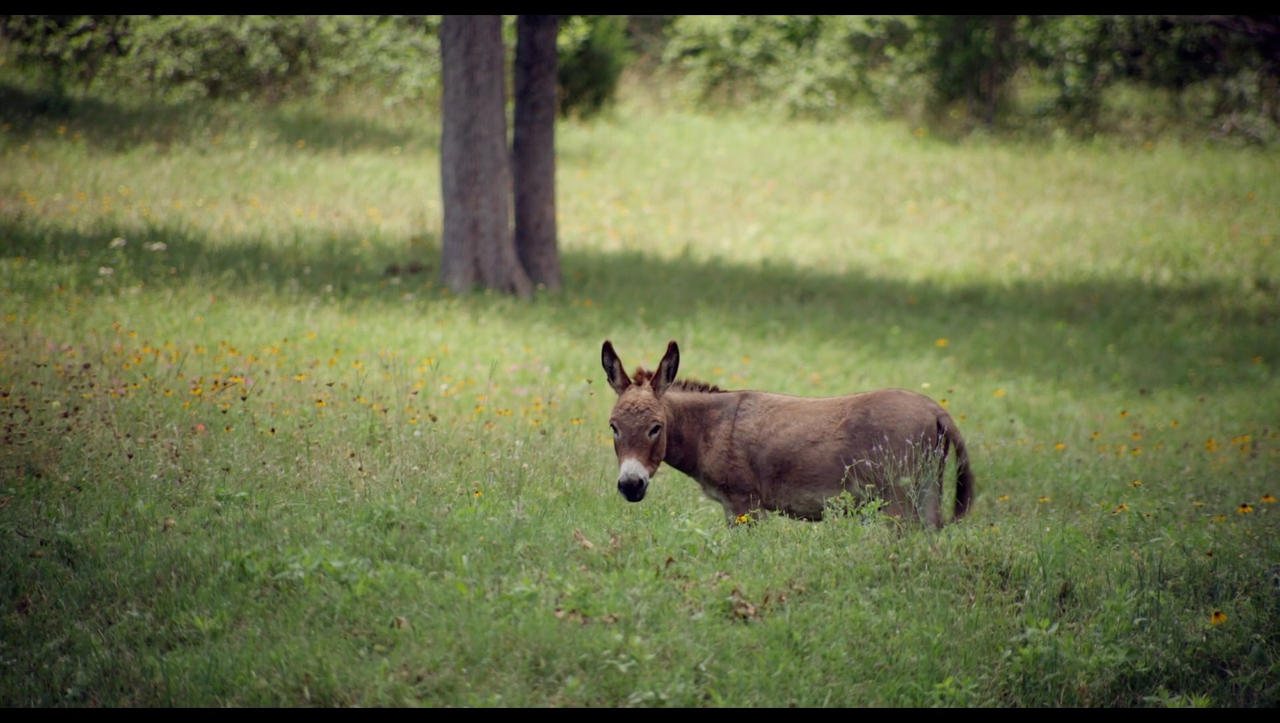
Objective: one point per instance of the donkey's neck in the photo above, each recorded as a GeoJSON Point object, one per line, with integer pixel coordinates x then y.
{"type": "Point", "coordinates": [693, 418]}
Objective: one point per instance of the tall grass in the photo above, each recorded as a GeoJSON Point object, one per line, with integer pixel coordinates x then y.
{"type": "Point", "coordinates": [245, 463]}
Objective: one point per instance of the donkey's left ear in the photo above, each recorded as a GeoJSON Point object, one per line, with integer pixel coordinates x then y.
{"type": "Point", "coordinates": [666, 369]}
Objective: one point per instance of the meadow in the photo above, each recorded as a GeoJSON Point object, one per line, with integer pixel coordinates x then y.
{"type": "Point", "coordinates": [247, 462]}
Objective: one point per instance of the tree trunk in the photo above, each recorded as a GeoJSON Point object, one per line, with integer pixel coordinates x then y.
{"type": "Point", "coordinates": [475, 171]}
{"type": "Point", "coordinates": [533, 153]}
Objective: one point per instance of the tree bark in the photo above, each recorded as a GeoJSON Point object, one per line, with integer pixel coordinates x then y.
{"type": "Point", "coordinates": [475, 171]}
{"type": "Point", "coordinates": [533, 153]}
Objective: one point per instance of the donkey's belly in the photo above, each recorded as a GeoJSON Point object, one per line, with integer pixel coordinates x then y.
{"type": "Point", "coordinates": [713, 492]}
{"type": "Point", "coordinates": [802, 504]}
{"type": "Point", "coordinates": [802, 494]}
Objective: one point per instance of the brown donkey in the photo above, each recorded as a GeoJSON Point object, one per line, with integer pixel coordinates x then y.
{"type": "Point", "coordinates": [753, 451]}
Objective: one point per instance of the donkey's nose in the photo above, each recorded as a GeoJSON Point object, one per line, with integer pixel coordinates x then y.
{"type": "Point", "coordinates": [633, 480]}
{"type": "Point", "coordinates": [633, 489]}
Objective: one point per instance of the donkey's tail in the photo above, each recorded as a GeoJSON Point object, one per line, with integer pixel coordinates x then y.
{"type": "Point", "coordinates": [964, 474]}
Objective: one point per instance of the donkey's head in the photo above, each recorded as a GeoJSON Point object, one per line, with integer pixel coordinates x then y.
{"type": "Point", "coordinates": [639, 421]}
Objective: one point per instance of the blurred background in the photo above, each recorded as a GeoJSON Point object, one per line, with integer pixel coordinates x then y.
{"type": "Point", "coordinates": [1213, 75]}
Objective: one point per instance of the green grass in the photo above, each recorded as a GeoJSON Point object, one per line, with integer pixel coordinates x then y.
{"type": "Point", "coordinates": [184, 523]}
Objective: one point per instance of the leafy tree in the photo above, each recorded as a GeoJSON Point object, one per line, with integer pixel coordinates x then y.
{"type": "Point", "coordinates": [972, 57]}
{"type": "Point", "coordinates": [239, 57]}
{"type": "Point", "coordinates": [1235, 57]}
{"type": "Point", "coordinates": [804, 64]}
{"type": "Point", "coordinates": [593, 50]}
{"type": "Point", "coordinates": [65, 47]}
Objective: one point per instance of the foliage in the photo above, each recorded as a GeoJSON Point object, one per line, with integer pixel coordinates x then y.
{"type": "Point", "coordinates": [276, 57]}
{"type": "Point", "coordinates": [252, 454]}
{"type": "Point", "coordinates": [971, 57]}
{"type": "Point", "coordinates": [186, 57]}
{"type": "Point", "coordinates": [1076, 61]}
{"type": "Point", "coordinates": [1221, 72]}
{"type": "Point", "coordinates": [804, 64]}
{"type": "Point", "coordinates": [810, 64]}
{"type": "Point", "coordinates": [1236, 59]}
{"type": "Point", "coordinates": [593, 50]}
{"type": "Point", "coordinates": [68, 47]}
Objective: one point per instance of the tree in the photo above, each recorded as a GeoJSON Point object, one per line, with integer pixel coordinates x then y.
{"type": "Point", "coordinates": [476, 245]}
{"type": "Point", "coordinates": [533, 153]}
{"type": "Point", "coordinates": [973, 57]}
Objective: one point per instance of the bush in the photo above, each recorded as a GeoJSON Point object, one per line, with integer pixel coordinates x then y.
{"type": "Point", "coordinates": [240, 57]}
{"type": "Point", "coordinates": [804, 64]}
{"type": "Point", "coordinates": [1223, 72]}
{"type": "Point", "coordinates": [183, 58]}
{"type": "Point", "coordinates": [593, 51]}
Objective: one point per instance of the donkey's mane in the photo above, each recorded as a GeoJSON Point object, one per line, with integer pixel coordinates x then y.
{"type": "Point", "coordinates": [686, 385]}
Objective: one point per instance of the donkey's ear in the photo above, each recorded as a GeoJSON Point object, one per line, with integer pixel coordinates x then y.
{"type": "Point", "coordinates": [613, 370]}
{"type": "Point", "coordinates": [666, 369]}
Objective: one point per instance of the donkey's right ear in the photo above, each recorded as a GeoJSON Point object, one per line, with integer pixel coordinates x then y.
{"type": "Point", "coordinates": [613, 370]}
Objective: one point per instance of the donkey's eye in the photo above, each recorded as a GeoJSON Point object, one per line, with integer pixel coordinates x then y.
{"type": "Point", "coordinates": [654, 431]}
{"type": "Point", "coordinates": [614, 427]}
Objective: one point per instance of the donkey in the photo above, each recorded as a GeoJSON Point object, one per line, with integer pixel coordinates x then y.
{"type": "Point", "coordinates": [754, 451]}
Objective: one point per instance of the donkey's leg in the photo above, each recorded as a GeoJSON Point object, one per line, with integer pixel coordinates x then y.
{"type": "Point", "coordinates": [896, 498]}
{"type": "Point", "coordinates": [933, 494]}
{"type": "Point", "coordinates": [741, 509]}
{"type": "Point", "coordinates": [930, 479]}
{"type": "Point", "coordinates": [729, 515]}
{"type": "Point", "coordinates": [921, 483]}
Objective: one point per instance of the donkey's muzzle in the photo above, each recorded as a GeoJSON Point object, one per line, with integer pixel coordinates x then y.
{"type": "Point", "coordinates": [633, 480]}
{"type": "Point", "coordinates": [633, 489]}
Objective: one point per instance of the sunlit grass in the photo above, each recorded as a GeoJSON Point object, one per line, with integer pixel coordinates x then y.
{"type": "Point", "coordinates": [246, 461]}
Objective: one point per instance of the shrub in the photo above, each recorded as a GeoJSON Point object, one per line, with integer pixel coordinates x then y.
{"type": "Point", "coordinates": [593, 51]}
{"type": "Point", "coordinates": [240, 57]}
{"type": "Point", "coordinates": [804, 64]}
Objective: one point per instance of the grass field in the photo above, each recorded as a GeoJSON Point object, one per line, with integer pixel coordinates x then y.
{"type": "Point", "coordinates": [244, 465]}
